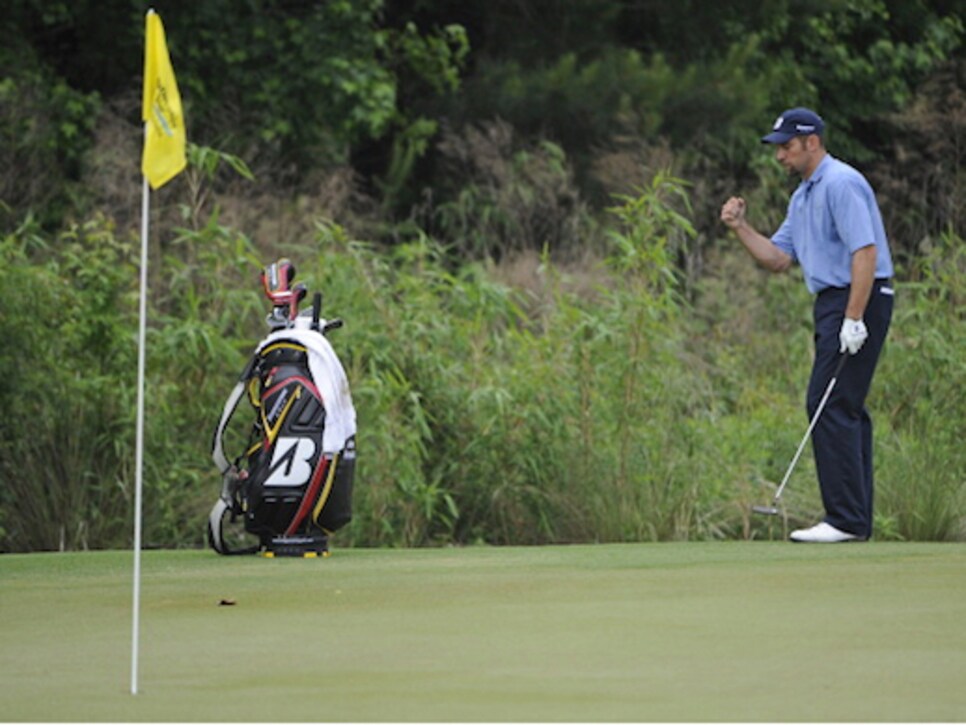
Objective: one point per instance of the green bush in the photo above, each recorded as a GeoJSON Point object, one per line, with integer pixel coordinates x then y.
{"type": "Point", "coordinates": [66, 314]}
{"type": "Point", "coordinates": [485, 414]}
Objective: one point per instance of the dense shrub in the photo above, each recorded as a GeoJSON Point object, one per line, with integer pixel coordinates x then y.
{"type": "Point", "coordinates": [66, 316]}
{"type": "Point", "coordinates": [511, 196]}
{"type": "Point", "coordinates": [486, 413]}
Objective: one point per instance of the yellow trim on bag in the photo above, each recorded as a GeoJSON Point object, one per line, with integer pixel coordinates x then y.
{"type": "Point", "coordinates": [253, 393]}
{"type": "Point", "coordinates": [326, 490]}
{"type": "Point", "coordinates": [270, 431]}
{"type": "Point", "coordinates": [278, 345]}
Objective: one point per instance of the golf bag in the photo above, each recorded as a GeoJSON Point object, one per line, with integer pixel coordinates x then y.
{"type": "Point", "coordinates": [292, 486]}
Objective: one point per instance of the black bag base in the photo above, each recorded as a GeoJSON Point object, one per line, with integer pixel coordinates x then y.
{"type": "Point", "coordinates": [306, 547]}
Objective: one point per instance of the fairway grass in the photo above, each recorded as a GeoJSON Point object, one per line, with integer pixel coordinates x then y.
{"type": "Point", "coordinates": [736, 631]}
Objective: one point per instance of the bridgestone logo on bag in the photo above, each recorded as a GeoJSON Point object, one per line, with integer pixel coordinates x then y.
{"type": "Point", "coordinates": [291, 462]}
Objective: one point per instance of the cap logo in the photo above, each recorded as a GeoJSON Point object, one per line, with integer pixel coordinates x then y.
{"type": "Point", "coordinates": [804, 128]}
{"type": "Point", "coordinates": [778, 123]}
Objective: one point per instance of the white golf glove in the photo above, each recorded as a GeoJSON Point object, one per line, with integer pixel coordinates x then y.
{"type": "Point", "coordinates": [852, 336]}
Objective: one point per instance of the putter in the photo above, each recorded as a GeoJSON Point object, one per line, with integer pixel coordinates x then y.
{"type": "Point", "coordinates": [773, 510]}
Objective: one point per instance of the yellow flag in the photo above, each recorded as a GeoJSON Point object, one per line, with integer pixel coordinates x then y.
{"type": "Point", "coordinates": [164, 132]}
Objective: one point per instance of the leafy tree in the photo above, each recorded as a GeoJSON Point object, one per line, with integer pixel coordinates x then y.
{"type": "Point", "coordinates": [45, 131]}
{"type": "Point", "coordinates": [859, 60]}
{"type": "Point", "coordinates": [287, 85]}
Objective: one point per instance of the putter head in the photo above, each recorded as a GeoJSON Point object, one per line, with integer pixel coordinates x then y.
{"type": "Point", "coordinates": [766, 510]}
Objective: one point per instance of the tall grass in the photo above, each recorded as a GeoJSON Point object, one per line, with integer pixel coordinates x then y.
{"type": "Point", "coordinates": [486, 413]}
{"type": "Point", "coordinates": [922, 485]}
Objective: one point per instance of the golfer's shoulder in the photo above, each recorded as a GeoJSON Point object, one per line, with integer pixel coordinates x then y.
{"type": "Point", "coordinates": [838, 172]}
{"type": "Point", "coordinates": [841, 178]}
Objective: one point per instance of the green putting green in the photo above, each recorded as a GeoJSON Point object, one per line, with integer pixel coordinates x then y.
{"type": "Point", "coordinates": [737, 631]}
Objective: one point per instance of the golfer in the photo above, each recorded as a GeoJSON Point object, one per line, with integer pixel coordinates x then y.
{"type": "Point", "coordinates": [833, 229]}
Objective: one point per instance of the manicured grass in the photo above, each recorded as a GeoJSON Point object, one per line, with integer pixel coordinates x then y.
{"type": "Point", "coordinates": [753, 631]}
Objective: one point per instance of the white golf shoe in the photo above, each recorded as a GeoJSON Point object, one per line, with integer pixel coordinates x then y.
{"type": "Point", "coordinates": [822, 533]}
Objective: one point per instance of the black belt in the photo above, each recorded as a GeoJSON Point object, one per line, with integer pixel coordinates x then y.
{"type": "Point", "coordinates": [878, 281]}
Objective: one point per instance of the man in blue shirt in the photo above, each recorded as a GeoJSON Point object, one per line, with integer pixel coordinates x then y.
{"type": "Point", "coordinates": [833, 229]}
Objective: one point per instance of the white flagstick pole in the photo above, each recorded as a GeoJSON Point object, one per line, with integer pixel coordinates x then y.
{"type": "Point", "coordinates": [139, 450]}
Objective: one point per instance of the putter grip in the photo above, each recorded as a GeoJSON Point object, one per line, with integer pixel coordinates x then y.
{"type": "Point", "coordinates": [316, 310]}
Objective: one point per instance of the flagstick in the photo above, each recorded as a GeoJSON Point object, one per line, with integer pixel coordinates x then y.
{"type": "Point", "coordinates": [139, 450]}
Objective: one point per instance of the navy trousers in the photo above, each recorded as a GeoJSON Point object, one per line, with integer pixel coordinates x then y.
{"type": "Point", "coordinates": [842, 437]}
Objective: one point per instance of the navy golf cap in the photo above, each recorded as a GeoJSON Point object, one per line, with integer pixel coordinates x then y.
{"type": "Point", "coordinates": [795, 122]}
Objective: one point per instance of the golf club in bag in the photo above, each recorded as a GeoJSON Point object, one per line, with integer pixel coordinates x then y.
{"type": "Point", "coordinates": [773, 510]}
{"type": "Point", "coordinates": [292, 485]}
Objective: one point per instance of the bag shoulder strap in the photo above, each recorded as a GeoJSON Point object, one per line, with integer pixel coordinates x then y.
{"type": "Point", "coordinates": [217, 444]}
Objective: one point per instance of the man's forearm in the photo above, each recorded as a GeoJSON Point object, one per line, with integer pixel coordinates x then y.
{"type": "Point", "coordinates": [863, 276]}
{"type": "Point", "coordinates": [761, 248]}
{"type": "Point", "coordinates": [758, 245]}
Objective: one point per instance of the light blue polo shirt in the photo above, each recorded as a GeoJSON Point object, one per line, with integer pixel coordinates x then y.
{"type": "Point", "coordinates": [830, 216]}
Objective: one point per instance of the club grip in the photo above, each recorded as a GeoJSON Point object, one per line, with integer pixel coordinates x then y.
{"type": "Point", "coordinates": [316, 310]}
{"type": "Point", "coordinates": [332, 325]}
